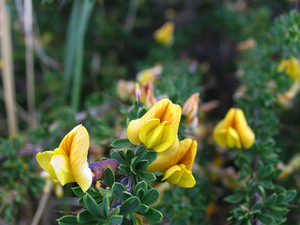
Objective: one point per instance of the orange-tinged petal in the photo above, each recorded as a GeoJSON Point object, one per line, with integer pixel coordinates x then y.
{"type": "Point", "coordinates": [247, 136]}
{"type": "Point", "coordinates": [190, 109]}
{"type": "Point", "coordinates": [78, 159]}
{"type": "Point", "coordinates": [66, 143]}
{"type": "Point", "coordinates": [189, 151]}
{"type": "Point", "coordinates": [44, 159]}
{"type": "Point", "coordinates": [233, 140]}
{"type": "Point", "coordinates": [185, 155]}
{"type": "Point", "coordinates": [187, 180]}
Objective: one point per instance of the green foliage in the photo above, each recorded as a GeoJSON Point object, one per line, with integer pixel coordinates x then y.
{"type": "Point", "coordinates": [135, 163]}
{"type": "Point", "coordinates": [16, 166]}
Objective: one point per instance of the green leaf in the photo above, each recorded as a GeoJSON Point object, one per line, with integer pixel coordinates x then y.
{"type": "Point", "coordinates": [151, 156]}
{"type": "Point", "coordinates": [130, 205]}
{"type": "Point", "coordinates": [67, 220]}
{"type": "Point", "coordinates": [116, 219]}
{"type": "Point", "coordinates": [105, 192]}
{"type": "Point", "coordinates": [141, 184]}
{"type": "Point", "coordinates": [146, 176]}
{"type": "Point", "coordinates": [281, 198]}
{"type": "Point", "coordinates": [265, 218]}
{"type": "Point", "coordinates": [129, 154]}
{"type": "Point", "coordinates": [271, 200]}
{"type": "Point", "coordinates": [114, 154]}
{"type": "Point", "coordinates": [140, 193]}
{"type": "Point", "coordinates": [261, 190]}
{"type": "Point", "coordinates": [235, 198]}
{"type": "Point", "coordinates": [92, 206]}
{"type": "Point", "coordinates": [127, 194]}
{"type": "Point", "coordinates": [143, 208]}
{"type": "Point", "coordinates": [117, 191]}
{"type": "Point", "coordinates": [267, 184]}
{"type": "Point", "coordinates": [151, 197]}
{"type": "Point", "coordinates": [290, 195]}
{"type": "Point", "coordinates": [120, 143]}
{"type": "Point", "coordinates": [109, 177]}
{"type": "Point", "coordinates": [105, 206]}
{"type": "Point", "coordinates": [257, 206]}
{"type": "Point", "coordinates": [141, 152]}
{"type": "Point", "coordinates": [124, 168]}
{"type": "Point", "coordinates": [153, 215]}
{"type": "Point", "coordinates": [78, 191]}
{"type": "Point", "coordinates": [86, 217]}
{"type": "Point", "coordinates": [141, 112]}
{"type": "Point", "coordinates": [267, 171]}
{"type": "Point", "coordinates": [142, 165]}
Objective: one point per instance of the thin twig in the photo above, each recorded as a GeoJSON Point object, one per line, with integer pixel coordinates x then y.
{"type": "Point", "coordinates": [131, 16]}
{"type": "Point", "coordinates": [42, 205]}
{"type": "Point", "coordinates": [7, 69]}
{"type": "Point", "coordinates": [116, 100]}
{"type": "Point", "coordinates": [29, 62]}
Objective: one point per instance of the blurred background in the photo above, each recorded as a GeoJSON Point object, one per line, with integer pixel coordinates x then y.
{"type": "Point", "coordinates": [62, 62]}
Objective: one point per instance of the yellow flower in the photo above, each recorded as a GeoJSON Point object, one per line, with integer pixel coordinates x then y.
{"type": "Point", "coordinates": [151, 74]}
{"type": "Point", "coordinates": [164, 35]}
{"type": "Point", "coordinates": [177, 168]}
{"type": "Point", "coordinates": [190, 110]}
{"type": "Point", "coordinates": [290, 67]}
{"type": "Point", "coordinates": [158, 128]}
{"type": "Point", "coordinates": [68, 162]}
{"type": "Point", "coordinates": [286, 99]}
{"type": "Point", "coordinates": [233, 131]}
{"type": "Point", "coordinates": [146, 94]}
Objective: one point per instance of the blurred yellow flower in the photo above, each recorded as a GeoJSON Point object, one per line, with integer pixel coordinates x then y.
{"type": "Point", "coordinates": [68, 163]}
{"type": "Point", "coordinates": [158, 128]}
{"type": "Point", "coordinates": [125, 90]}
{"type": "Point", "coordinates": [233, 131]}
{"type": "Point", "coordinates": [190, 110]}
{"type": "Point", "coordinates": [286, 99]}
{"type": "Point", "coordinates": [146, 94]}
{"type": "Point", "coordinates": [290, 67]}
{"type": "Point", "coordinates": [164, 35]}
{"type": "Point", "coordinates": [177, 168]}
{"type": "Point", "coordinates": [151, 74]}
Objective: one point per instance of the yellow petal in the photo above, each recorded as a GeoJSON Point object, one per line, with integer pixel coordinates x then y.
{"type": "Point", "coordinates": [282, 65]}
{"type": "Point", "coordinates": [172, 149]}
{"type": "Point", "coordinates": [173, 174]}
{"type": "Point", "coordinates": [229, 118]}
{"type": "Point", "coordinates": [149, 126]}
{"type": "Point", "coordinates": [220, 134]}
{"type": "Point", "coordinates": [44, 159]}
{"type": "Point", "coordinates": [164, 110]}
{"type": "Point", "coordinates": [153, 138]}
{"type": "Point", "coordinates": [167, 139]}
{"type": "Point", "coordinates": [164, 35]}
{"type": "Point", "coordinates": [187, 180]}
{"type": "Point", "coordinates": [247, 136]}
{"type": "Point", "coordinates": [233, 140]}
{"type": "Point", "coordinates": [61, 166]}
{"type": "Point", "coordinates": [78, 159]}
